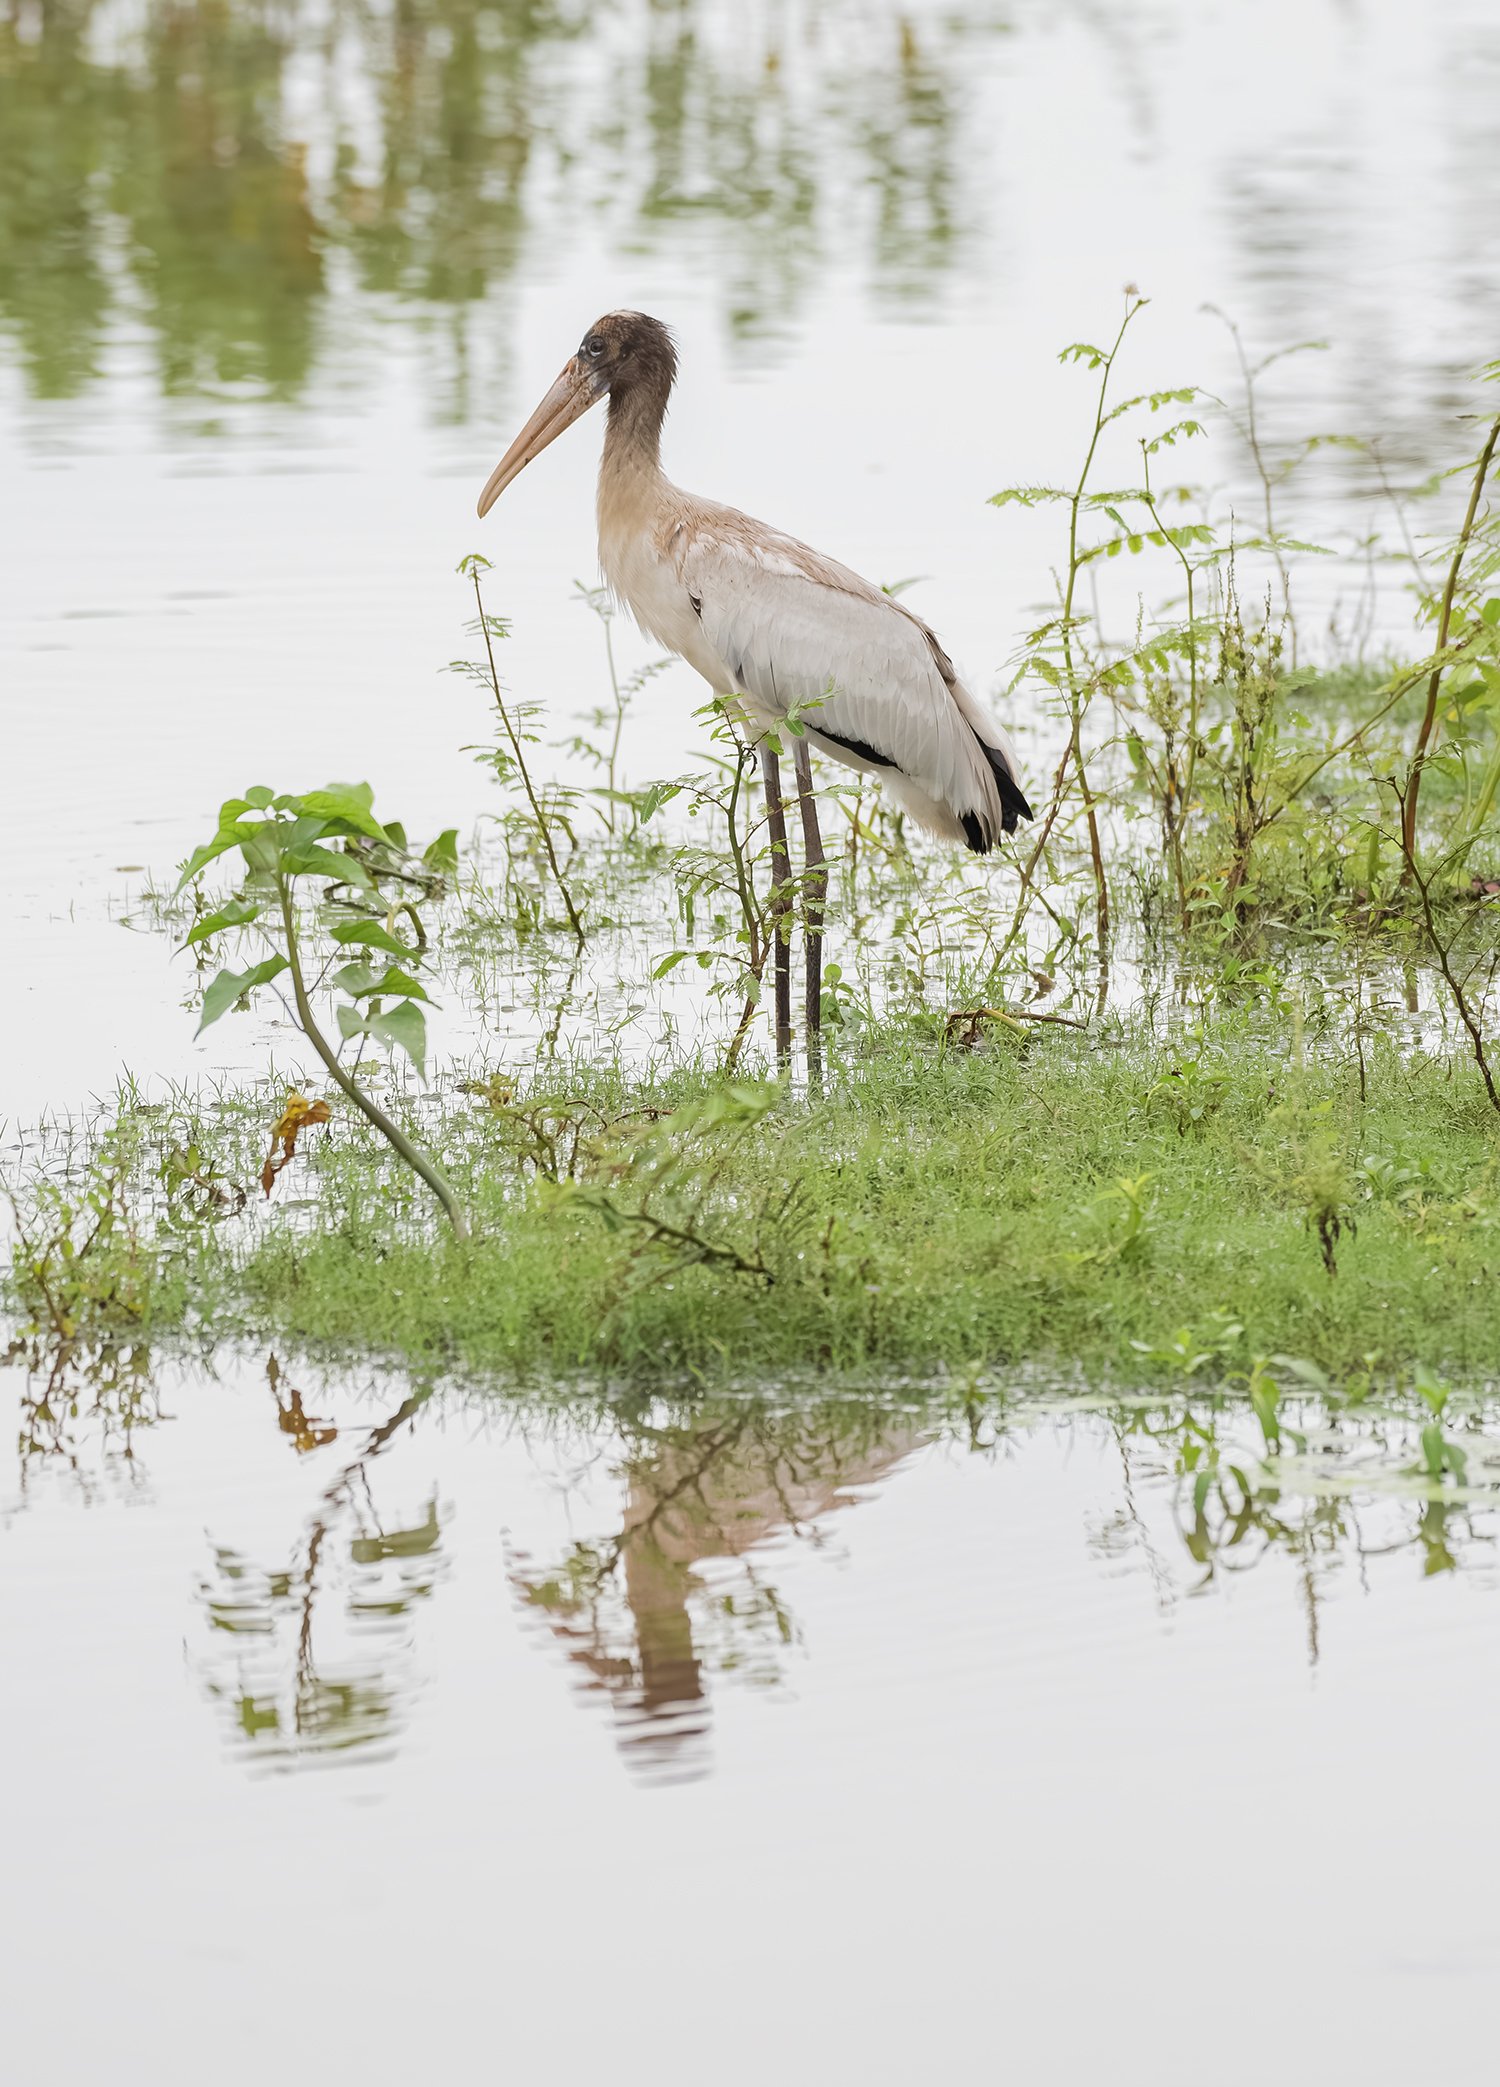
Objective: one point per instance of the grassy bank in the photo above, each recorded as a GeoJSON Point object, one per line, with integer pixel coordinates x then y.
{"type": "Point", "coordinates": [1100, 1203]}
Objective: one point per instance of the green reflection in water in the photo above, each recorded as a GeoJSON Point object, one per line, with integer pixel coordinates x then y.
{"type": "Point", "coordinates": [161, 187]}
{"type": "Point", "coordinates": [314, 1652]}
{"type": "Point", "coordinates": [354, 1575]}
{"type": "Point", "coordinates": [224, 173]}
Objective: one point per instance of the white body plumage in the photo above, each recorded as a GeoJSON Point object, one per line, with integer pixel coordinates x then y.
{"type": "Point", "coordinates": [762, 617]}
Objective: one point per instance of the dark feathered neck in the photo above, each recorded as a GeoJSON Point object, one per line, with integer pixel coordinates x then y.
{"type": "Point", "coordinates": [636, 412]}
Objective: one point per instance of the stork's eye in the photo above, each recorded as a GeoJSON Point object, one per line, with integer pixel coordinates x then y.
{"type": "Point", "coordinates": [593, 347]}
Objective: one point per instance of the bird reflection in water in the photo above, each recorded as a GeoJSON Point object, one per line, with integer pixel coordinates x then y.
{"type": "Point", "coordinates": [637, 1614]}
{"type": "Point", "coordinates": [354, 1570]}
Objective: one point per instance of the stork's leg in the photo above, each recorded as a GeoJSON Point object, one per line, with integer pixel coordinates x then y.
{"type": "Point", "coordinates": [781, 900]}
{"type": "Point", "coordinates": [814, 893]}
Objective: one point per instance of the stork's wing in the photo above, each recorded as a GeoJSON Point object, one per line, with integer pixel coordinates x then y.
{"type": "Point", "coordinates": [799, 632]}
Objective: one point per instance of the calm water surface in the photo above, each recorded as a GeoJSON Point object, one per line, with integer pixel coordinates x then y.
{"type": "Point", "coordinates": [351, 1731]}
{"type": "Point", "coordinates": [278, 281]}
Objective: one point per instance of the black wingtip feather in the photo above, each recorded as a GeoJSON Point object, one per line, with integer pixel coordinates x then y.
{"type": "Point", "coordinates": [1013, 805]}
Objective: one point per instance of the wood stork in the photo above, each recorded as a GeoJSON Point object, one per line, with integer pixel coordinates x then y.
{"type": "Point", "coordinates": [775, 626]}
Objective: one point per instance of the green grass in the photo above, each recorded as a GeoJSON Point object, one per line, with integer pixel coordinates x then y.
{"type": "Point", "coordinates": [1062, 1201]}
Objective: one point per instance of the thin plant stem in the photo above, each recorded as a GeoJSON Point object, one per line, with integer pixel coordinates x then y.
{"type": "Point", "coordinates": [1445, 618]}
{"type": "Point", "coordinates": [701, 1249]}
{"type": "Point", "coordinates": [392, 1132]}
{"type": "Point", "coordinates": [745, 890]}
{"type": "Point", "coordinates": [1029, 888]}
{"type": "Point", "coordinates": [744, 883]}
{"type": "Point", "coordinates": [614, 689]}
{"type": "Point", "coordinates": [1252, 436]}
{"type": "Point", "coordinates": [1184, 793]}
{"type": "Point", "coordinates": [1075, 703]}
{"type": "Point", "coordinates": [855, 815]}
{"type": "Point", "coordinates": [1440, 950]}
{"type": "Point", "coordinates": [1398, 507]}
{"type": "Point", "coordinates": [538, 815]}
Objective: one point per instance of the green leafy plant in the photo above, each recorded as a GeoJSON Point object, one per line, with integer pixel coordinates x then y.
{"type": "Point", "coordinates": [1442, 1457]}
{"type": "Point", "coordinates": [345, 949]}
{"type": "Point", "coordinates": [81, 1271]}
{"type": "Point", "coordinates": [1189, 1349]}
{"type": "Point", "coordinates": [1265, 1402]}
{"type": "Point", "coordinates": [1189, 1093]}
{"type": "Point", "coordinates": [1452, 612]}
{"type": "Point", "coordinates": [1128, 1203]}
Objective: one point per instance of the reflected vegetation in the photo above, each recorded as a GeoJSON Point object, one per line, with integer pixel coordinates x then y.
{"type": "Point", "coordinates": [150, 181]}
{"type": "Point", "coordinates": [1231, 1511]}
{"type": "Point", "coordinates": [85, 1403]}
{"type": "Point", "coordinates": [687, 1584]}
{"type": "Point", "coordinates": [311, 1655]}
{"type": "Point", "coordinates": [227, 175]}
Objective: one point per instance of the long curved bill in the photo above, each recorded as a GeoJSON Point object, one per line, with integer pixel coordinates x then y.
{"type": "Point", "coordinates": [567, 401]}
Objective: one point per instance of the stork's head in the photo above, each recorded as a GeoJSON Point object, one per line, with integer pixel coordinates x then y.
{"type": "Point", "coordinates": [622, 353]}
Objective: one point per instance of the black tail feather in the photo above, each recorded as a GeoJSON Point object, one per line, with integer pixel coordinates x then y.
{"type": "Point", "coordinates": [1013, 805]}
